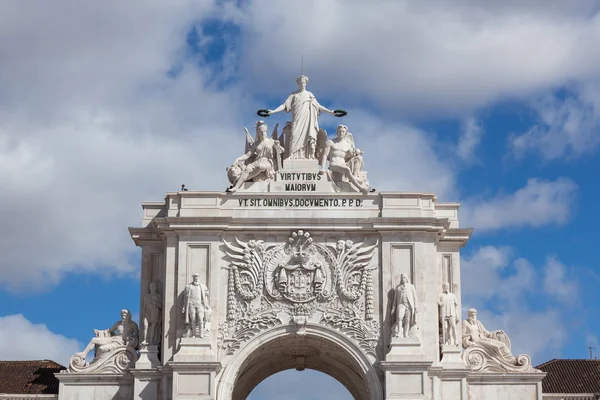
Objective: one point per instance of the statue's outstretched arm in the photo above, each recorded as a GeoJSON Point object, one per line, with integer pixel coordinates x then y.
{"type": "Point", "coordinates": [278, 109]}
{"type": "Point", "coordinates": [325, 109]}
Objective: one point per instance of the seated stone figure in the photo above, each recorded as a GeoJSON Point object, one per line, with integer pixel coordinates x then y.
{"type": "Point", "coordinates": [260, 161]}
{"type": "Point", "coordinates": [122, 337]}
{"type": "Point", "coordinates": [345, 160]}
{"type": "Point", "coordinates": [489, 351]}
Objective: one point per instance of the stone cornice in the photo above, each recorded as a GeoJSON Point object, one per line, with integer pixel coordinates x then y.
{"type": "Point", "coordinates": [433, 226]}
{"type": "Point", "coordinates": [485, 378]}
{"type": "Point", "coordinates": [195, 366]}
{"type": "Point", "coordinates": [155, 233]}
{"type": "Point", "coordinates": [405, 365]}
{"type": "Point", "coordinates": [75, 378]}
{"type": "Point", "coordinates": [458, 236]}
{"type": "Point", "coordinates": [147, 236]}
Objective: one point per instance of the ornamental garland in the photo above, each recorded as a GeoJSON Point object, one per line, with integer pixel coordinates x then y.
{"type": "Point", "coordinates": [231, 301]}
{"type": "Point", "coordinates": [263, 113]}
{"type": "Point", "coordinates": [370, 311]}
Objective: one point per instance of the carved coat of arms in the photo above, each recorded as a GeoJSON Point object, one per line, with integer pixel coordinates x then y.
{"type": "Point", "coordinates": [297, 277]}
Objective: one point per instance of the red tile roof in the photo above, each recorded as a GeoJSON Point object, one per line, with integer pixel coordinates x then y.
{"type": "Point", "coordinates": [571, 376]}
{"type": "Point", "coordinates": [29, 377]}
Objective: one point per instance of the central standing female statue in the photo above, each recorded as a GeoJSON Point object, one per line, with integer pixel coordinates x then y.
{"type": "Point", "coordinates": [301, 135]}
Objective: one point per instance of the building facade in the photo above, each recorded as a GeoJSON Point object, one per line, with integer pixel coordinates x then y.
{"type": "Point", "coordinates": [300, 264]}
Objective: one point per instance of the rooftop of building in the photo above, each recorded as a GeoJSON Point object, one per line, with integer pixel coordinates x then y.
{"type": "Point", "coordinates": [29, 377]}
{"type": "Point", "coordinates": [571, 376]}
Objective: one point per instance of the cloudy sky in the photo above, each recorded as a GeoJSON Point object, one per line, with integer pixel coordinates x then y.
{"type": "Point", "coordinates": [107, 104]}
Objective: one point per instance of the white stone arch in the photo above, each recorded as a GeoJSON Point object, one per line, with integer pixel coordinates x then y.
{"type": "Point", "coordinates": [355, 370]}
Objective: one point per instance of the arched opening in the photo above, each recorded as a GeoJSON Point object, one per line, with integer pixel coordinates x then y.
{"type": "Point", "coordinates": [321, 349]}
{"type": "Point", "coordinates": [305, 385]}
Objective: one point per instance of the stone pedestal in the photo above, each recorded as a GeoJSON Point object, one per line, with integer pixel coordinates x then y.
{"type": "Point", "coordinates": [255, 187]}
{"type": "Point", "coordinates": [290, 165]}
{"type": "Point", "coordinates": [194, 380]}
{"type": "Point", "coordinates": [449, 384]}
{"type": "Point", "coordinates": [505, 386]}
{"type": "Point", "coordinates": [403, 349]}
{"type": "Point", "coordinates": [104, 386]}
{"type": "Point", "coordinates": [146, 384]}
{"type": "Point", "coordinates": [407, 380]}
{"type": "Point", "coordinates": [451, 357]}
{"type": "Point", "coordinates": [148, 357]}
{"type": "Point", "coordinates": [195, 350]}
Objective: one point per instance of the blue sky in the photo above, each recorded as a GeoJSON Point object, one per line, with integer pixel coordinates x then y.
{"type": "Point", "coordinates": [105, 105]}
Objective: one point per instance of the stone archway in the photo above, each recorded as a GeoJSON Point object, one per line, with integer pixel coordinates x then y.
{"type": "Point", "coordinates": [321, 349]}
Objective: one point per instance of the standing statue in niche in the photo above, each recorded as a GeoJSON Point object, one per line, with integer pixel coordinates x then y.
{"type": "Point", "coordinates": [123, 333]}
{"type": "Point", "coordinates": [345, 160]}
{"type": "Point", "coordinates": [448, 314]}
{"type": "Point", "coordinates": [196, 307]}
{"type": "Point", "coordinates": [301, 133]}
{"type": "Point", "coordinates": [259, 162]}
{"type": "Point", "coordinates": [152, 315]}
{"type": "Point", "coordinates": [404, 307]}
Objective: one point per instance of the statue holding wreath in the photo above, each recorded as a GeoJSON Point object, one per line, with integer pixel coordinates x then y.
{"type": "Point", "coordinates": [300, 136]}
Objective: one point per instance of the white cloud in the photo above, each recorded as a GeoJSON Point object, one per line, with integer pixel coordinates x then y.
{"type": "Point", "coordinates": [567, 126]}
{"type": "Point", "coordinates": [556, 282]}
{"type": "Point", "coordinates": [75, 188]}
{"type": "Point", "coordinates": [91, 125]}
{"type": "Point", "coordinates": [470, 138]}
{"type": "Point", "coordinates": [22, 340]}
{"type": "Point", "coordinates": [400, 157]}
{"type": "Point", "coordinates": [484, 265]}
{"type": "Point", "coordinates": [421, 57]}
{"type": "Point", "coordinates": [539, 203]}
{"type": "Point", "coordinates": [501, 286]}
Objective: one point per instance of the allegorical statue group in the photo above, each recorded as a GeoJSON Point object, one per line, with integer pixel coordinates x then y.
{"type": "Point", "coordinates": [493, 346]}
{"type": "Point", "coordinates": [342, 163]}
{"type": "Point", "coordinates": [300, 139]}
{"type": "Point", "coordinates": [123, 337]}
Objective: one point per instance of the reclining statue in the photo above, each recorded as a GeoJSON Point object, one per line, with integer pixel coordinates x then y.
{"type": "Point", "coordinates": [489, 351]}
{"type": "Point", "coordinates": [114, 348]}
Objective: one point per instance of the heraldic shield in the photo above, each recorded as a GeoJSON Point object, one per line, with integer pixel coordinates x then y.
{"type": "Point", "coordinates": [297, 270]}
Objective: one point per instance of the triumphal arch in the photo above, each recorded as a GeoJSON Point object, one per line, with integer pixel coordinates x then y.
{"type": "Point", "coordinates": [300, 264]}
